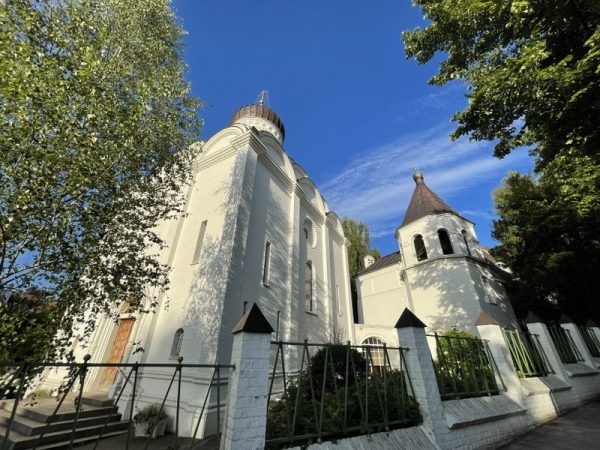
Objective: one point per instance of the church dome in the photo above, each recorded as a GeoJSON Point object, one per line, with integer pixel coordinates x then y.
{"type": "Point", "coordinates": [424, 202]}
{"type": "Point", "coordinates": [261, 111]}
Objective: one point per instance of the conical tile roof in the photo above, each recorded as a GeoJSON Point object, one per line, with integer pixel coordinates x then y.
{"type": "Point", "coordinates": [424, 202]}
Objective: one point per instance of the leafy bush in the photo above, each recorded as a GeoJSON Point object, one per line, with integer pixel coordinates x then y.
{"type": "Point", "coordinates": [345, 409]}
{"type": "Point", "coordinates": [462, 366]}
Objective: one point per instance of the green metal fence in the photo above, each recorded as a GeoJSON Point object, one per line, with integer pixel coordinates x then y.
{"type": "Point", "coordinates": [565, 346]}
{"type": "Point", "coordinates": [337, 390]}
{"type": "Point", "coordinates": [527, 354]}
{"type": "Point", "coordinates": [464, 367]}
{"type": "Point", "coordinates": [591, 341]}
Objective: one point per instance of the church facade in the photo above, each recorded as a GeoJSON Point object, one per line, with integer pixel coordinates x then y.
{"type": "Point", "coordinates": [257, 230]}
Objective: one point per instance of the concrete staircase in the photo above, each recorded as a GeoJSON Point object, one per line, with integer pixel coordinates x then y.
{"type": "Point", "coordinates": [31, 420]}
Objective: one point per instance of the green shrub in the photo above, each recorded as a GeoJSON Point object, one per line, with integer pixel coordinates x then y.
{"type": "Point", "coordinates": [388, 396]}
{"type": "Point", "coordinates": [150, 415]}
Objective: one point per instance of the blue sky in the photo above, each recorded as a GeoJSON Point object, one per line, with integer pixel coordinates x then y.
{"type": "Point", "coordinates": [359, 116]}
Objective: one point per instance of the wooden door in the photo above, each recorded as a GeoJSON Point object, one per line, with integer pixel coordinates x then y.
{"type": "Point", "coordinates": [116, 354]}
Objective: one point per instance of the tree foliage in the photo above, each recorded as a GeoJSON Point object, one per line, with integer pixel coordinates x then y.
{"type": "Point", "coordinates": [549, 231]}
{"type": "Point", "coordinates": [358, 235]}
{"type": "Point", "coordinates": [531, 69]}
{"type": "Point", "coordinates": [97, 122]}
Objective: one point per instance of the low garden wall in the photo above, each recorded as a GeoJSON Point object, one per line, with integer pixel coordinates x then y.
{"type": "Point", "coordinates": [505, 390]}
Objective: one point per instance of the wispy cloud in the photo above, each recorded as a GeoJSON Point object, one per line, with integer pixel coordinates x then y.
{"type": "Point", "coordinates": [376, 187]}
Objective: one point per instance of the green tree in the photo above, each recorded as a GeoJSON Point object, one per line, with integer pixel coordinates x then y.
{"type": "Point", "coordinates": [97, 122]}
{"type": "Point", "coordinates": [549, 233]}
{"type": "Point", "coordinates": [358, 235]}
{"type": "Point", "coordinates": [531, 69]}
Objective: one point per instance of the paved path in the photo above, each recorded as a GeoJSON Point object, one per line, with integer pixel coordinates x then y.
{"type": "Point", "coordinates": [576, 430]}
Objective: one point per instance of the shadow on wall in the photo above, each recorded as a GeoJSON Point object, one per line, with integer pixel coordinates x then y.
{"type": "Point", "coordinates": [203, 308]}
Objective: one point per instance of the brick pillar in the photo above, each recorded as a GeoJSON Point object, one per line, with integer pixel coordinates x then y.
{"type": "Point", "coordinates": [536, 326]}
{"type": "Point", "coordinates": [491, 331]}
{"type": "Point", "coordinates": [246, 411]}
{"type": "Point", "coordinates": [567, 323]}
{"type": "Point", "coordinates": [411, 334]}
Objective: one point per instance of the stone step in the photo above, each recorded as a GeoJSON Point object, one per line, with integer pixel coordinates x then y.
{"type": "Point", "coordinates": [31, 427]}
{"type": "Point", "coordinates": [96, 400]}
{"type": "Point", "coordinates": [79, 441]}
{"type": "Point", "coordinates": [57, 439]}
{"type": "Point", "coordinates": [43, 410]}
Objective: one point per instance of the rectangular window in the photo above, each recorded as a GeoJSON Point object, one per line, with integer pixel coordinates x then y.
{"type": "Point", "coordinates": [199, 243]}
{"type": "Point", "coordinates": [337, 299]}
{"type": "Point", "coordinates": [267, 264]}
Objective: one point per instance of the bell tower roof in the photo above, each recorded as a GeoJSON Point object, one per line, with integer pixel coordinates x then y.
{"type": "Point", "coordinates": [260, 110]}
{"type": "Point", "coordinates": [424, 202]}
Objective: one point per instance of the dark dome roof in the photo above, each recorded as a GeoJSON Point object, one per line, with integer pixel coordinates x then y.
{"type": "Point", "coordinates": [262, 111]}
{"type": "Point", "coordinates": [424, 202]}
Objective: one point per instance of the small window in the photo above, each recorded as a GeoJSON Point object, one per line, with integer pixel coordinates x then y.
{"type": "Point", "coordinates": [267, 264]}
{"type": "Point", "coordinates": [337, 299]}
{"type": "Point", "coordinates": [199, 243]}
{"type": "Point", "coordinates": [445, 242]}
{"type": "Point", "coordinates": [177, 341]}
{"type": "Point", "coordinates": [377, 355]}
{"type": "Point", "coordinates": [420, 248]}
{"type": "Point", "coordinates": [465, 237]}
{"type": "Point", "coordinates": [310, 233]}
{"type": "Point", "coordinates": [308, 287]}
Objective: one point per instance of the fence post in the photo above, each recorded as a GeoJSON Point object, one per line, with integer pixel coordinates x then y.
{"type": "Point", "coordinates": [411, 334]}
{"type": "Point", "coordinates": [536, 326]}
{"type": "Point", "coordinates": [245, 421]}
{"type": "Point", "coordinates": [567, 323]}
{"type": "Point", "coordinates": [491, 331]}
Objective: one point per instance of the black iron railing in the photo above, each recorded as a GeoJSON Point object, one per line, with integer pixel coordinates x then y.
{"type": "Point", "coordinates": [527, 354]}
{"type": "Point", "coordinates": [464, 367]}
{"type": "Point", "coordinates": [564, 344]}
{"type": "Point", "coordinates": [17, 378]}
{"type": "Point", "coordinates": [327, 391]}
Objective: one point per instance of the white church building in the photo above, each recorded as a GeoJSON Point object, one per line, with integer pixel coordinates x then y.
{"type": "Point", "coordinates": [257, 230]}
{"type": "Point", "coordinates": [440, 273]}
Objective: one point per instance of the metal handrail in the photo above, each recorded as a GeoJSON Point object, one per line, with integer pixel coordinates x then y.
{"type": "Point", "coordinates": [78, 371]}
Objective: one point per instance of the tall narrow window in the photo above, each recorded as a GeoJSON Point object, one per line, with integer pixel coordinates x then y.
{"type": "Point", "coordinates": [337, 298]}
{"type": "Point", "coordinates": [267, 263]}
{"type": "Point", "coordinates": [199, 243]}
{"type": "Point", "coordinates": [465, 236]}
{"type": "Point", "coordinates": [420, 248]}
{"type": "Point", "coordinates": [308, 287]}
{"type": "Point", "coordinates": [177, 341]}
{"type": "Point", "coordinates": [445, 242]}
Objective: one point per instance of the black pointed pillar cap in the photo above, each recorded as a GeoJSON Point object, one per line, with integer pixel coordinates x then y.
{"type": "Point", "coordinates": [486, 319]}
{"type": "Point", "coordinates": [591, 323]}
{"type": "Point", "coordinates": [565, 319]}
{"type": "Point", "coordinates": [532, 318]}
{"type": "Point", "coordinates": [253, 321]}
{"type": "Point", "coordinates": [409, 320]}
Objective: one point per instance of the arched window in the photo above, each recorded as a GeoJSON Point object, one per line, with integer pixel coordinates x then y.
{"type": "Point", "coordinates": [374, 354]}
{"type": "Point", "coordinates": [310, 233]}
{"type": "Point", "coordinates": [308, 287]}
{"type": "Point", "coordinates": [177, 341]}
{"type": "Point", "coordinates": [420, 248]}
{"type": "Point", "coordinates": [465, 236]}
{"type": "Point", "coordinates": [445, 242]}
